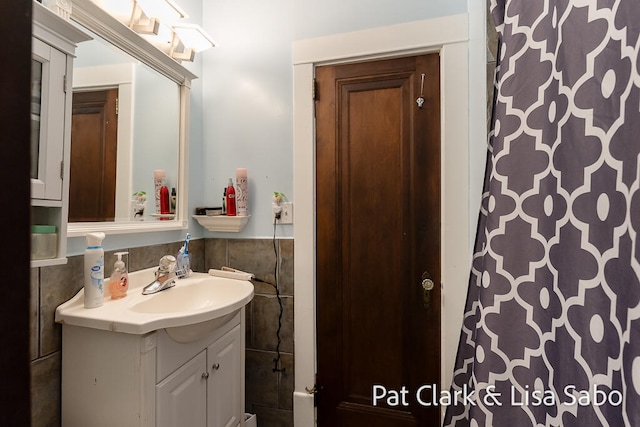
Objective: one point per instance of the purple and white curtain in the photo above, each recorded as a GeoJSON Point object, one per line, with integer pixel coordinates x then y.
{"type": "Point", "coordinates": [551, 333]}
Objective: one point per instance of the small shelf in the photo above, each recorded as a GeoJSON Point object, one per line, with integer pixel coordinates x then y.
{"type": "Point", "coordinates": [48, 262]}
{"type": "Point", "coordinates": [229, 224]}
{"type": "Point", "coordinates": [163, 216]}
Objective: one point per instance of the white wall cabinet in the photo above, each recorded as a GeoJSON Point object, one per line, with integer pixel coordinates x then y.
{"type": "Point", "coordinates": [54, 43]}
{"type": "Point", "coordinates": [112, 378]}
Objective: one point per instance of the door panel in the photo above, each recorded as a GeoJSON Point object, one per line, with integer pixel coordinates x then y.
{"type": "Point", "coordinates": [378, 230]}
{"type": "Point", "coordinates": [94, 147]}
{"type": "Point", "coordinates": [181, 398]}
{"type": "Point", "coordinates": [224, 394]}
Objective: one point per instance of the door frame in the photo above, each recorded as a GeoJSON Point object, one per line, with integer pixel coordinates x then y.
{"type": "Point", "coordinates": [119, 76]}
{"type": "Point", "coordinates": [463, 148]}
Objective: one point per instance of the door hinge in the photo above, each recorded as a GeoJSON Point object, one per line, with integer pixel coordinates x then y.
{"type": "Point", "coordinates": [314, 89]}
{"type": "Point", "coordinates": [117, 106]}
{"type": "Point", "coordinates": [64, 83]}
{"type": "Point", "coordinates": [62, 169]}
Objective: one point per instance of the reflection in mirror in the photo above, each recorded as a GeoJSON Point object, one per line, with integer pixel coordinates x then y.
{"type": "Point", "coordinates": [126, 125]}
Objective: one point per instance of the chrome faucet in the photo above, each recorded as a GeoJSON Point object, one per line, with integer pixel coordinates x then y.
{"type": "Point", "coordinates": [166, 275]}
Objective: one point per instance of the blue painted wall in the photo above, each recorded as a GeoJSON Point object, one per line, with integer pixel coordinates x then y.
{"type": "Point", "coordinates": [242, 104]}
{"type": "Point", "coordinates": [248, 86]}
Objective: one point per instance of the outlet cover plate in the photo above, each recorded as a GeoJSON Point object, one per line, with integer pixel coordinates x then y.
{"type": "Point", "coordinates": [286, 215]}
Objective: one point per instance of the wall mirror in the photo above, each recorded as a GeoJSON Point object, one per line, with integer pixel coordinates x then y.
{"type": "Point", "coordinates": [114, 156]}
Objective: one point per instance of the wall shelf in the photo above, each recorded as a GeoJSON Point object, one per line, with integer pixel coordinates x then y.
{"type": "Point", "coordinates": [228, 224]}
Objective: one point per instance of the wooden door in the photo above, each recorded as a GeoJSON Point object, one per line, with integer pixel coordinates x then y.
{"type": "Point", "coordinates": [94, 146]}
{"type": "Point", "coordinates": [378, 231]}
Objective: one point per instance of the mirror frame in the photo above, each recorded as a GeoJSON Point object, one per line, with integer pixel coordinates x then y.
{"type": "Point", "coordinates": [91, 16]}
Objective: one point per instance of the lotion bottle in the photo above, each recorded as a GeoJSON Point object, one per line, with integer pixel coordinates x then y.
{"type": "Point", "coordinates": [94, 271]}
{"type": "Point", "coordinates": [119, 281]}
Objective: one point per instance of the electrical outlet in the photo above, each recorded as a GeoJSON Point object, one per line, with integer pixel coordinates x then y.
{"type": "Point", "coordinates": [286, 213]}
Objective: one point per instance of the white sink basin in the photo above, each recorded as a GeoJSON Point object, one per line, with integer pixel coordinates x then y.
{"type": "Point", "coordinates": [187, 311]}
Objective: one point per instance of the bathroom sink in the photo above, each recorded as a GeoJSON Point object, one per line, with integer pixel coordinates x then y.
{"type": "Point", "coordinates": [187, 311]}
{"type": "Point", "coordinates": [196, 294]}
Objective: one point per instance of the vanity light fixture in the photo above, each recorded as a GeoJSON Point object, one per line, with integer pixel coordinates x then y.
{"type": "Point", "coordinates": [166, 11]}
{"type": "Point", "coordinates": [148, 15]}
{"type": "Point", "coordinates": [192, 38]}
{"type": "Point", "coordinates": [158, 22]}
{"type": "Point", "coordinates": [142, 23]}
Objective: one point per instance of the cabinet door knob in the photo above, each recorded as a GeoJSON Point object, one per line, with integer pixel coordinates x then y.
{"type": "Point", "coordinates": [216, 366]}
{"type": "Point", "coordinates": [205, 375]}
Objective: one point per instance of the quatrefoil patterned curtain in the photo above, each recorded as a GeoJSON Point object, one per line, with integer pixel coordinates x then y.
{"type": "Point", "coordinates": [554, 298]}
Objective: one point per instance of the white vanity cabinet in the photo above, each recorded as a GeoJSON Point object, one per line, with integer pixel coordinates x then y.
{"type": "Point", "coordinates": [205, 391]}
{"type": "Point", "coordinates": [54, 42]}
{"type": "Point", "coordinates": [117, 379]}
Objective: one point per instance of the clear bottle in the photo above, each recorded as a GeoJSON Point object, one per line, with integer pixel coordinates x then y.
{"type": "Point", "coordinates": [119, 281]}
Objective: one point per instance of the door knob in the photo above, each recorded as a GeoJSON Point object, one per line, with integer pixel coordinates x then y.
{"type": "Point", "coordinates": [427, 286]}
{"type": "Point", "coordinates": [216, 366]}
{"type": "Point", "coordinates": [205, 375]}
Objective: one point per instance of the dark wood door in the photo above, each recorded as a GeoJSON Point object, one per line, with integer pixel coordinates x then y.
{"type": "Point", "coordinates": [94, 146]}
{"type": "Point", "coordinates": [378, 231]}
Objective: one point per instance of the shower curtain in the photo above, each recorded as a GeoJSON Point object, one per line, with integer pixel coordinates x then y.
{"type": "Point", "coordinates": [551, 332]}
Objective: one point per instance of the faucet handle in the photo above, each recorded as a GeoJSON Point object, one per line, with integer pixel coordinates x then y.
{"type": "Point", "coordinates": [167, 264]}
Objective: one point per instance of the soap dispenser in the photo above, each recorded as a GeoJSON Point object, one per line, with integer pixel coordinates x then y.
{"type": "Point", "coordinates": [119, 281]}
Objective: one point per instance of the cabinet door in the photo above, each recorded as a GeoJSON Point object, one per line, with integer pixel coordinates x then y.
{"type": "Point", "coordinates": [181, 397]}
{"type": "Point", "coordinates": [224, 386]}
{"type": "Point", "coordinates": [48, 96]}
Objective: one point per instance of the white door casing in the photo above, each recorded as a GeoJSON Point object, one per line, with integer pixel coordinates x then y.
{"type": "Point", "coordinates": [463, 145]}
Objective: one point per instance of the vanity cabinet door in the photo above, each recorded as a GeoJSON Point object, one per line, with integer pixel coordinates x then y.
{"type": "Point", "coordinates": [181, 399]}
{"type": "Point", "coordinates": [48, 97]}
{"type": "Point", "coordinates": [224, 393]}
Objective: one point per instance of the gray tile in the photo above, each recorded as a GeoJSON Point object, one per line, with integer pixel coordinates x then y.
{"type": "Point", "coordinates": [215, 253]}
{"type": "Point", "coordinates": [255, 256]}
{"type": "Point", "coordinates": [45, 391]}
{"type": "Point", "coordinates": [261, 383]}
{"type": "Point", "coordinates": [196, 251]}
{"type": "Point", "coordinates": [286, 382]}
{"type": "Point", "coordinates": [57, 284]}
{"type": "Point", "coordinates": [286, 267]}
{"type": "Point", "coordinates": [149, 256]}
{"type": "Point", "coordinates": [266, 311]}
{"type": "Point", "coordinates": [248, 316]}
{"type": "Point", "coordinates": [34, 311]}
{"type": "Point", "coordinates": [271, 417]}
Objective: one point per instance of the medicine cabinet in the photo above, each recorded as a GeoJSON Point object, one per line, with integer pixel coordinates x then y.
{"type": "Point", "coordinates": [54, 42]}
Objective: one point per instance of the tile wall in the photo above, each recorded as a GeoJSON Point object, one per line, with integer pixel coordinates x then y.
{"type": "Point", "coordinates": [268, 393]}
